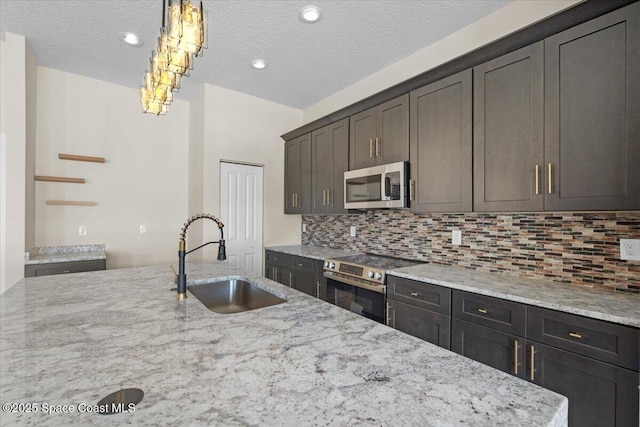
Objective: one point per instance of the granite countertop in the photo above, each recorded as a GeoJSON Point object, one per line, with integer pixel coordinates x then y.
{"type": "Point", "coordinates": [314, 252]}
{"type": "Point", "coordinates": [303, 362]}
{"type": "Point", "coordinates": [50, 254]}
{"type": "Point", "coordinates": [611, 306]}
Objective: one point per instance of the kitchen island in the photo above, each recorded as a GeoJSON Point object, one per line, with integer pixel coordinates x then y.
{"type": "Point", "coordinates": [72, 340]}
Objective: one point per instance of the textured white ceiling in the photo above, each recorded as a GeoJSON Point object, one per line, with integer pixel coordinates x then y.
{"type": "Point", "coordinates": [306, 62]}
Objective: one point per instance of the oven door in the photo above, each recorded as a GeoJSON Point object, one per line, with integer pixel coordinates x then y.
{"type": "Point", "coordinates": [350, 296]}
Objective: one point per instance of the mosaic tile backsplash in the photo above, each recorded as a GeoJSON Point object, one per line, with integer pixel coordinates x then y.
{"type": "Point", "coordinates": [577, 248]}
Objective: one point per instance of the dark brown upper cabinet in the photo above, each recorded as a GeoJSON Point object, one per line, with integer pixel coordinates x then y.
{"type": "Point", "coordinates": [380, 135]}
{"type": "Point", "coordinates": [297, 175]}
{"type": "Point", "coordinates": [330, 155]}
{"type": "Point", "coordinates": [508, 127]}
{"type": "Point", "coordinates": [441, 146]}
{"type": "Point", "coordinates": [592, 114]}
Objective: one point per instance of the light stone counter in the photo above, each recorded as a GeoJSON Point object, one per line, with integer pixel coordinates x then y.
{"type": "Point", "coordinates": [614, 307]}
{"type": "Point", "coordinates": [51, 254]}
{"type": "Point", "coordinates": [304, 362]}
{"type": "Point", "coordinates": [314, 252]}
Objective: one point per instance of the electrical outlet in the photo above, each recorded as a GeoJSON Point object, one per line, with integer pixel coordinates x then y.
{"type": "Point", "coordinates": [143, 228]}
{"type": "Point", "coordinates": [304, 228]}
{"type": "Point", "coordinates": [353, 231]}
{"type": "Point", "coordinates": [82, 230]}
{"type": "Point", "coordinates": [630, 249]}
{"type": "Point", "coordinates": [456, 237]}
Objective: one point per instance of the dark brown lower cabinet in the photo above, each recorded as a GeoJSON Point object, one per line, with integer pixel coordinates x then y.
{"type": "Point", "coordinates": [35, 270]}
{"type": "Point", "coordinates": [497, 349]}
{"type": "Point", "coordinates": [294, 271]}
{"type": "Point", "coordinates": [599, 394]}
{"type": "Point", "coordinates": [427, 325]}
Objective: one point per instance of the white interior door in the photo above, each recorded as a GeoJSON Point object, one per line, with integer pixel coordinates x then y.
{"type": "Point", "coordinates": [241, 213]}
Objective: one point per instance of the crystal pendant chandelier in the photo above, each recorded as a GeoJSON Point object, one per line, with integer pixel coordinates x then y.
{"type": "Point", "coordinates": [179, 43]}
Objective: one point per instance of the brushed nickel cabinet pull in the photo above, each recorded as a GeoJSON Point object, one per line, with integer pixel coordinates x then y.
{"type": "Point", "coordinates": [414, 294]}
{"type": "Point", "coordinates": [575, 335]}
{"type": "Point", "coordinates": [324, 197]}
{"type": "Point", "coordinates": [275, 274]}
{"type": "Point", "coordinates": [412, 189]}
{"type": "Point", "coordinates": [290, 279]}
{"type": "Point", "coordinates": [537, 179]}
{"type": "Point", "coordinates": [515, 357]}
{"type": "Point", "coordinates": [377, 147]}
{"type": "Point", "coordinates": [329, 202]}
{"type": "Point", "coordinates": [482, 310]}
{"type": "Point", "coordinates": [67, 271]}
{"type": "Point", "coordinates": [533, 363]}
{"type": "Point", "coordinates": [388, 314]}
{"type": "Point", "coordinates": [297, 200]}
{"type": "Point", "coordinates": [549, 178]}
{"type": "Point", "coordinates": [371, 147]}
{"type": "Point", "coordinates": [318, 289]}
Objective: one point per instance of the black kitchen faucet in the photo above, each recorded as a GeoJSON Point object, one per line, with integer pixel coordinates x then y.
{"type": "Point", "coordinates": [222, 253]}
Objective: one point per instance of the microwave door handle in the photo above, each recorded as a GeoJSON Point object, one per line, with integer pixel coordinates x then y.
{"type": "Point", "coordinates": [387, 187]}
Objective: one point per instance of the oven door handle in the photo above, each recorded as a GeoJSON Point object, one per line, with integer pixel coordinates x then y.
{"type": "Point", "coordinates": [381, 289]}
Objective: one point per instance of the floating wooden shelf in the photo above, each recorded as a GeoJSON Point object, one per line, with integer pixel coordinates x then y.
{"type": "Point", "coordinates": [59, 179]}
{"type": "Point", "coordinates": [69, 203]}
{"type": "Point", "coordinates": [81, 158]}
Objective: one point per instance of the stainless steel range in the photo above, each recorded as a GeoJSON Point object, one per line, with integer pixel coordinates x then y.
{"type": "Point", "coordinates": [358, 283]}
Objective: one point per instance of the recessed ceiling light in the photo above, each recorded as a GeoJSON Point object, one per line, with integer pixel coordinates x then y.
{"type": "Point", "coordinates": [310, 14]}
{"type": "Point", "coordinates": [259, 64]}
{"type": "Point", "coordinates": [131, 39]}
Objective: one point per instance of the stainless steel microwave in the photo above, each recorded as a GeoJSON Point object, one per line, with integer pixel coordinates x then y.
{"type": "Point", "coordinates": [382, 186]}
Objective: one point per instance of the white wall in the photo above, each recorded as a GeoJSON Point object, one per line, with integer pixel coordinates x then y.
{"type": "Point", "coordinates": [502, 22]}
{"type": "Point", "coordinates": [30, 154]}
{"type": "Point", "coordinates": [13, 97]}
{"type": "Point", "coordinates": [144, 180]}
{"type": "Point", "coordinates": [196, 170]}
{"type": "Point", "coordinates": [243, 128]}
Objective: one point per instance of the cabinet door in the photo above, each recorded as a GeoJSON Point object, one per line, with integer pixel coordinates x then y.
{"type": "Point", "coordinates": [599, 394]}
{"type": "Point", "coordinates": [362, 131]}
{"type": "Point", "coordinates": [497, 349]}
{"type": "Point", "coordinates": [320, 280]}
{"type": "Point", "coordinates": [291, 175]}
{"type": "Point", "coordinates": [322, 169]}
{"type": "Point", "coordinates": [427, 325]}
{"type": "Point", "coordinates": [592, 111]}
{"type": "Point", "coordinates": [508, 132]}
{"type": "Point", "coordinates": [304, 196]}
{"type": "Point", "coordinates": [441, 145]}
{"type": "Point", "coordinates": [392, 136]}
{"type": "Point", "coordinates": [339, 137]}
{"type": "Point", "coordinates": [302, 282]}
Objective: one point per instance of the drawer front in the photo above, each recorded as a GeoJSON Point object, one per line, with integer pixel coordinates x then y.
{"type": "Point", "coordinates": [302, 264]}
{"type": "Point", "coordinates": [604, 341]}
{"type": "Point", "coordinates": [491, 312]}
{"type": "Point", "coordinates": [278, 258]}
{"type": "Point", "coordinates": [423, 295]}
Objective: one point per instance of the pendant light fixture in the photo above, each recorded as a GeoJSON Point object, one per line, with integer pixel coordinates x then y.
{"type": "Point", "coordinates": [181, 39]}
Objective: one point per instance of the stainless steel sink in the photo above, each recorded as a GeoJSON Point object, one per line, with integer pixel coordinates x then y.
{"type": "Point", "coordinates": [232, 296]}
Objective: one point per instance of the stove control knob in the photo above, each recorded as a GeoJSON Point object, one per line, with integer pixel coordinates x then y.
{"type": "Point", "coordinates": [378, 276]}
{"type": "Point", "coordinates": [326, 264]}
{"type": "Point", "coordinates": [370, 274]}
{"type": "Point", "coordinates": [332, 265]}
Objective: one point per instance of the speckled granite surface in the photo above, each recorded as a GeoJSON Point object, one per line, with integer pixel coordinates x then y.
{"type": "Point", "coordinates": [315, 252]}
{"type": "Point", "coordinates": [604, 305]}
{"type": "Point", "coordinates": [71, 340]}
{"type": "Point", "coordinates": [49, 254]}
